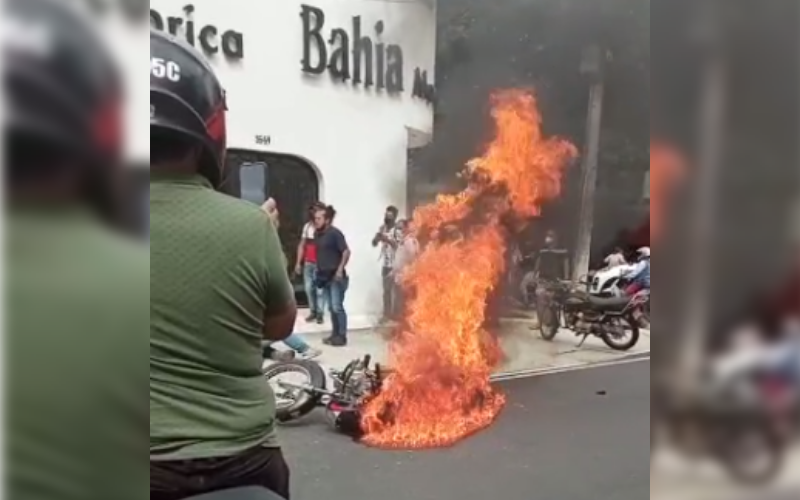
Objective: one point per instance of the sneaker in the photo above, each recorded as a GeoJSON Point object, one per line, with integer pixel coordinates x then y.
{"type": "Point", "coordinates": [312, 318]}
{"type": "Point", "coordinates": [310, 354]}
{"type": "Point", "coordinates": [320, 320]}
{"type": "Point", "coordinates": [282, 356]}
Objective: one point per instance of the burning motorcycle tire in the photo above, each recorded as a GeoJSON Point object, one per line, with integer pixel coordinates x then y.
{"type": "Point", "coordinates": [293, 403]}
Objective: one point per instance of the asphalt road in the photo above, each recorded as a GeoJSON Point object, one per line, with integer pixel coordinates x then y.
{"type": "Point", "coordinates": [574, 436]}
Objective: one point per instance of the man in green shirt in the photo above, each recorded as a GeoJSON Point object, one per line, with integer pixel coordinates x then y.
{"type": "Point", "coordinates": [77, 294]}
{"type": "Point", "coordinates": [218, 287]}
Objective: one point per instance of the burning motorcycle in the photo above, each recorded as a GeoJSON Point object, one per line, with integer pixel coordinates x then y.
{"type": "Point", "coordinates": [342, 397]}
{"type": "Point", "coordinates": [614, 320]}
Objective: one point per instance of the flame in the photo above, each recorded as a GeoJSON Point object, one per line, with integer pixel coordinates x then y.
{"type": "Point", "coordinates": [440, 391]}
{"type": "Point", "coordinates": [666, 170]}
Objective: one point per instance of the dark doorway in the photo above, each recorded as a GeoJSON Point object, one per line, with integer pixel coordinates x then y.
{"type": "Point", "coordinates": [256, 176]}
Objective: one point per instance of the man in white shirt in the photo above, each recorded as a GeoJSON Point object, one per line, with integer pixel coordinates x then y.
{"type": "Point", "coordinates": [616, 258]}
{"type": "Point", "coordinates": [306, 266]}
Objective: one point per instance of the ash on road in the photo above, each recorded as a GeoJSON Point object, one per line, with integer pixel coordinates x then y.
{"type": "Point", "coordinates": [574, 436]}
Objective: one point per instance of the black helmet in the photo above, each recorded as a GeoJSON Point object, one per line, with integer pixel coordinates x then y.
{"type": "Point", "coordinates": [187, 99]}
{"type": "Point", "coordinates": [61, 85]}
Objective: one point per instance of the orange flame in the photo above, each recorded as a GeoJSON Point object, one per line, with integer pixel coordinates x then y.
{"type": "Point", "coordinates": [666, 170]}
{"type": "Point", "coordinates": [443, 358]}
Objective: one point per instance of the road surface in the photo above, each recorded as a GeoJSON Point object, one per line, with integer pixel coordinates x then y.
{"type": "Point", "coordinates": [580, 435]}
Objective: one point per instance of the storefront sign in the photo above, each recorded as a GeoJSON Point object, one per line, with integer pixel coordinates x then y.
{"type": "Point", "coordinates": [422, 88]}
{"type": "Point", "coordinates": [357, 56]}
{"type": "Point", "coordinates": [210, 39]}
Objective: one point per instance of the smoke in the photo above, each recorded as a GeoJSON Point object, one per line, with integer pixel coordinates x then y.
{"type": "Point", "coordinates": [484, 46]}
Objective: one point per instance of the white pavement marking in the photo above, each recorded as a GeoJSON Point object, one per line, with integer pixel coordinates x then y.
{"type": "Point", "coordinates": [541, 372]}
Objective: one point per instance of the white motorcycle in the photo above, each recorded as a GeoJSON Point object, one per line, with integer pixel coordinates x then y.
{"type": "Point", "coordinates": [610, 284]}
{"type": "Point", "coordinates": [606, 283]}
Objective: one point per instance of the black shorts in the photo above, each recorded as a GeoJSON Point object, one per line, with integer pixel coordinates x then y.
{"type": "Point", "coordinates": [260, 466]}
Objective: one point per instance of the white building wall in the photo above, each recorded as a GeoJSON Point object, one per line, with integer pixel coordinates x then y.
{"type": "Point", "coordinates": [356, 138]}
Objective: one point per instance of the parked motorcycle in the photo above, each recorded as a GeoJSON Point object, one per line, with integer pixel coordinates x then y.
{"type": "Point", "coordinates": [342, 398]}
{"type": "Point", "coordinates": [768, 375]}
{"type": "Point", "coordinates": [726, 422]}
{"type": "Point", "coordinates": [614, 320]}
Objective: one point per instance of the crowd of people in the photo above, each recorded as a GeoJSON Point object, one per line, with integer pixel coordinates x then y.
{"type": "Point", "coordinates": [321, 261]}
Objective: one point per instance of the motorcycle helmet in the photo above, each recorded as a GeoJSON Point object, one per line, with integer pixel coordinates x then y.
{"type": "Point", "coordinates": [187, 102]}
{"type": "Point", "coordinates": [62, 91]}
{"type": "Point", "coordinates": [643, 253]}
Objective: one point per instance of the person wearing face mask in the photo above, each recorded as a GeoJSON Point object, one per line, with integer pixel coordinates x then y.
{"type": "Point", "coordinates": [553, 261]}
{"type": "Point", "coordinates": [389, 238]}
{"type": "Point", "coordinates": [552, 265]}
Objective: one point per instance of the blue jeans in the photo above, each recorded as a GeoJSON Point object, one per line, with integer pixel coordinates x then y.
{"type": "Point", "coordinates": [334, 294]}
{"type": "Point", "coordinates": [296, 343]}
{"type": "Point", "coordinates": [315, 302]}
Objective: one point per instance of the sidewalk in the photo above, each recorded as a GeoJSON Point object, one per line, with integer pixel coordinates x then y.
{"type": "Point", "coordinates": [672, 478]}
{"type": "Point", "coordinates": [525, 350]}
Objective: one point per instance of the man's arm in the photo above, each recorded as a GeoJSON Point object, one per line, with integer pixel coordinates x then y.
{"type": "Point", "coordinates": [344, 250]}
{"type": "Point", "coordinates": [379, 237]}
{"type": "Point", "coordinates": [281, 309]}
{"type": "Point", "coordinates": [301, 252]}
{"type": "Point", "coordinates": [636, 271]}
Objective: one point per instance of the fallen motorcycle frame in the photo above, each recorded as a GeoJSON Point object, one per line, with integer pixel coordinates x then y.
{"type": "Point", "coordinates": [341, 393]}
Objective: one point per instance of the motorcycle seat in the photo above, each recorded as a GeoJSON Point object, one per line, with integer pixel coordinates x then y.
{"type": "Point", "coordinates": [609, 303]}
{"type": "Point", "coordinates": [248, 493]}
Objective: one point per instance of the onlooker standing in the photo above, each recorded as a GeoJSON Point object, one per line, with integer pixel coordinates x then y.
{"type": "Point", "coordinates": [333, 255]}
{"type": "Point", "coordinates": [407, 251]}
{"type": "Point", "coordinates": [306, 267]}
{"type": "Point", "coordinates": [552, 265]}
{"type": "Point", "coordinates": [388, 237]}
{"type": "Point", "coordinates": [616, 258]}
{"type": "Point", "coordinates": [553, 261]}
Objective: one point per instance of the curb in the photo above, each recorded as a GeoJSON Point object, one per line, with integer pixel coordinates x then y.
{"type": "Point", "coordinates": [572, 367]}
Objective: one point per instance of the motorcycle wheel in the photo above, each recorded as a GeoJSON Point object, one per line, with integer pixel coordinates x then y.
{"type": "Point", "coordinates": [624, 345]}
{"type": "Point", "coordinates": [548, 322]}
{"type": "Point", "coordinates": [752, 455]}
{"type": "Point", "coordinates": [295, 404]}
